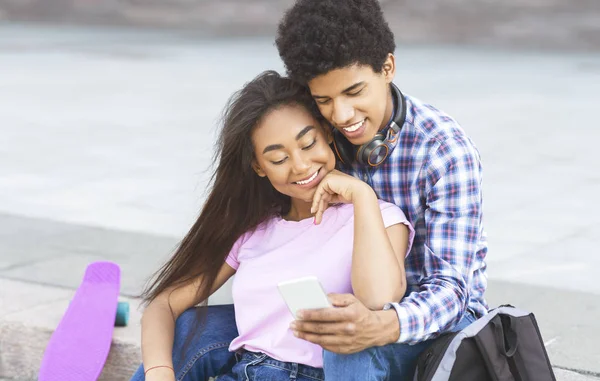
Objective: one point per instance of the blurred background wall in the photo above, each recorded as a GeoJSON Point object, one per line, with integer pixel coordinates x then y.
{"type": "Point", "coordinates": [540, 24]}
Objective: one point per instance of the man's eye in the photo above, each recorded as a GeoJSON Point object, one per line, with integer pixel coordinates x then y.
{"type": "Point", "coordinates": [311, 145]}
{"type": "Point", "coordinates": [355, 93]}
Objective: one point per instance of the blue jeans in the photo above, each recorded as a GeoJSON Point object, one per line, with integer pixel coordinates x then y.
{"type": "Point", "coordinates": [395, 362]}
{"type": "Point", "coordinates": [208, 354]}
{"type": "Point", "coordinates": [258, 366]}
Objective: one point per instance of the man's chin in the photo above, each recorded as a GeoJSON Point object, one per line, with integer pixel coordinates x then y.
{"type": "Point", "coordinates": [364, 138]}
{"type": "Point", "coordinates": [360, 140]}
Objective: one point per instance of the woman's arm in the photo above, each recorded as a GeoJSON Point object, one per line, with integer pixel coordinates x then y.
{"type": "Point", "coordinates": [158, 323]}
{"type": "Point", "coordinates": [378, 275]}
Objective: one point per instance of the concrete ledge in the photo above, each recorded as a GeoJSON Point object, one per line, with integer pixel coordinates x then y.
{"type": "Point", "coordinates": [30, 312]}
{"type": "Point", "coordinates": [567, 375]}
{"type": "Point", "coordinates": [29, 315]}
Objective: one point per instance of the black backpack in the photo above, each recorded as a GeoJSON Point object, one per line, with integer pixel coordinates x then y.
{"type": "Point", "coordinates": [504, 345]}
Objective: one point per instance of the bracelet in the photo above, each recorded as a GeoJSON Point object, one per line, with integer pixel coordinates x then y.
{"type": "Point", "coordinates": [158, 366]}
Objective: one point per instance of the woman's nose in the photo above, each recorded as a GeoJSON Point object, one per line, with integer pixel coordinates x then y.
{"type": "Point", "coordinates": [300, 164]}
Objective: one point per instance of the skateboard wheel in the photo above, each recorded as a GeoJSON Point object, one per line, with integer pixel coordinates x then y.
{"type": "Point", "coordinates": [122, 317]}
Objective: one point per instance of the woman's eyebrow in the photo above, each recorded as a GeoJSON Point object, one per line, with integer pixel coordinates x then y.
{"type": "Point", "coordinates": [304, 131]}
{"type": "Point", "coordinates": [274, 147]}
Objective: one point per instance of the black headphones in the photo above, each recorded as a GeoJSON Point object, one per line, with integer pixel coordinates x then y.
{"type": "Point", "coordinates": [374, 152]}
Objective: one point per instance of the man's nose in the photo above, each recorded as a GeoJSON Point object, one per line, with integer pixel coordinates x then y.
{"type": "Point", "coordinates": [342, 113]}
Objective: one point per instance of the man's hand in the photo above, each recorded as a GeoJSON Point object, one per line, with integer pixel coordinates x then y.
{"type": "Point", "coordinates": [349, 327]}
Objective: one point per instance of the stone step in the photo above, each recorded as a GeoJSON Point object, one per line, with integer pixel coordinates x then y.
{"type": "Point", "coordinates": [30, 312]}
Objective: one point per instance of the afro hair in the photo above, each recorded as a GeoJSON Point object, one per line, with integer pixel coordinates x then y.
{"type": "Point", "coordinates": [317, 36]}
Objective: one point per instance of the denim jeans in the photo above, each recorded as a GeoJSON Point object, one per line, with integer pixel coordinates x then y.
{"type": "Point", "coordinates": [208, 355]}
{"type": "Point", "coordinates": [395, 362]}
{"type": "Point", "coordinates": [260, 367]}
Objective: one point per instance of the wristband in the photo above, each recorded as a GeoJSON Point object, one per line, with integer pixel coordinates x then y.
{"type": "Point", "coordinates": [158, 366]}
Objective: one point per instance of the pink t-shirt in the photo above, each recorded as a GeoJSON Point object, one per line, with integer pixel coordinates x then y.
{"type": "Point", "coordinates": [281, 250]}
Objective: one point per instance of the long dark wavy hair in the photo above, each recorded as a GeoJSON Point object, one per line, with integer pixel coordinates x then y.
{"type": "Point", "coordinates": [239, 199]}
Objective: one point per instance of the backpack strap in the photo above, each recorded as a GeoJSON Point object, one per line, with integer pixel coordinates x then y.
{"type": "Point", "coordinates": [511, 346]}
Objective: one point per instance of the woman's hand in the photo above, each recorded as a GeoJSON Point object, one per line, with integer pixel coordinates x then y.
{"type": "Point", "coordinates": [337, 187]}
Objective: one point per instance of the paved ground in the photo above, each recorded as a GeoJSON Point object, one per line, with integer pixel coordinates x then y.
{"type": "Point", "coordinates": [106, 135]}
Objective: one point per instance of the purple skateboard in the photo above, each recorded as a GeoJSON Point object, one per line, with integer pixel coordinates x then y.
{"type": "Point", "coordinates": [78, 348]}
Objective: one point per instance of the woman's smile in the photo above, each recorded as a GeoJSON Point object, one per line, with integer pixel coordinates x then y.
{"type": "Point", "coordinates": [311, 181]}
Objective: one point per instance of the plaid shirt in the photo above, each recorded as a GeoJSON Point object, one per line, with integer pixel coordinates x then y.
{"type": "Point", "coordinates": [434, 175]}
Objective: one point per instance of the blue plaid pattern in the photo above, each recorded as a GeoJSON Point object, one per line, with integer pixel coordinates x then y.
{"type": "Point", "coordinates": [434, 175]}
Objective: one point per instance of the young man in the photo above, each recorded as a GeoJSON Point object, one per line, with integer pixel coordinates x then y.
{"type": "Point", "coordinates": [411, 154]}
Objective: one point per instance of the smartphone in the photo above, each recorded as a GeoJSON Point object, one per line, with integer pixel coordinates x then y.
{"type": "Point", "coordinates": [303, 294]}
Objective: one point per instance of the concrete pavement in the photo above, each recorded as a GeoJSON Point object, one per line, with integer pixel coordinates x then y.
{"type": "Point", "coordinates": [106, 135]}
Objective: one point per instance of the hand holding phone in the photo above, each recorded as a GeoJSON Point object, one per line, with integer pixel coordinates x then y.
{"type": "Point", "coordinates": [303, 294]}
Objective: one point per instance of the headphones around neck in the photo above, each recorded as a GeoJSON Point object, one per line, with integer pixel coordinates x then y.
{"type": "Point", "coordinates": [375, 151]}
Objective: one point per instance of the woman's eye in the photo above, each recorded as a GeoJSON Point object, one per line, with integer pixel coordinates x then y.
{"type": "Point", "coordinates": [323, 102]}
{"type": "Point", "coordinates": [311, 145]}
{"type": "Point", "coordinates": [279, 162]}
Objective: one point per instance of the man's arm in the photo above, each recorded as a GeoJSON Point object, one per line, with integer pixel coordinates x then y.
{"type": "Point", "coordinates": [453, 232]}
{"type": "Point", "coordinates": [350, 327]}
{"type": "Point", "coordinates": [453, 229]}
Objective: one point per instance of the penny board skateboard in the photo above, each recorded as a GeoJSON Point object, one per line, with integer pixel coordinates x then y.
{"type": "Point", "coordinates": [80, 344]}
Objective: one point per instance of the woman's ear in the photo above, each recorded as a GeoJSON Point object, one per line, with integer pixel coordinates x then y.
{"type": "Point", "coordinates": [258, 169]}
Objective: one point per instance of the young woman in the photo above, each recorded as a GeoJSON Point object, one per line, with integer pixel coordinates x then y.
{"type": "Point", "coordinates": [278, 210]}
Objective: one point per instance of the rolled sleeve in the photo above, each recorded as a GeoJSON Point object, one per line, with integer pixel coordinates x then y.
{"type": "Point", "coordinates": [393, 215]}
